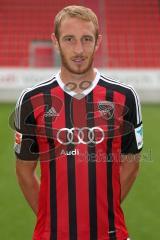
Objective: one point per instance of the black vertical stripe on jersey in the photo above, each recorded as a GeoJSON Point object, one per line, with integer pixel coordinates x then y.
{"type": "Point", "coordinates": [71, 172]}
{"type": "Point", "coordinates": [111, 217]}
{"type": "Point", "coordinates": [92, 171]}
{"type": "Point", "coordinates": [53, 196]}
{"type": "Point", "coordinates": [34, 149]}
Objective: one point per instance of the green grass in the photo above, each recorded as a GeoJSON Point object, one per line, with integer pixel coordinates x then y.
{"type": "Point", "coordinates": [141, 206]}
{"type": "Point", "coordinates": [16, 219]}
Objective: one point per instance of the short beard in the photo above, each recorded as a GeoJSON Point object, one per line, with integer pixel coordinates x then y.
{"type": "Point", "coordinates": [70, 69]}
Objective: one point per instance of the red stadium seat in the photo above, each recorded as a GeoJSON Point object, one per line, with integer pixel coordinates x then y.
{"type": "Point", "coordinates": [131, 36]}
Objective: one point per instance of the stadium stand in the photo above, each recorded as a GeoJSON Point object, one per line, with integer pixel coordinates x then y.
{"type": "Point", "coordinates": [131, 36]}
{"type": "Point", "coordinates": [24, 22]}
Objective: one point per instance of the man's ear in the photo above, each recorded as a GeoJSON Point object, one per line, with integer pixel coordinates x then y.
{"type": "Point", "coordinates": [99, 40]}
{"type": "Point", "coordinates": [55, 42]}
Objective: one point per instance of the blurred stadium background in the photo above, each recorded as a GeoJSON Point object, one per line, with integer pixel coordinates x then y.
{"type": "Point", "coordinates": [130, 52]}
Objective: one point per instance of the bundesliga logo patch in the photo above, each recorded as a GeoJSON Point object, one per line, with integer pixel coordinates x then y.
{"type": "Point", "coordinates": [139, 136]}
{"type": "Point", "coordinates": [18, 141]}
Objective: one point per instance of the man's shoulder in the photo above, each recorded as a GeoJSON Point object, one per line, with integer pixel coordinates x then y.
{"type": "Point", "coordinates": [117, 86]}
{"type": "Point", "coordinates": [37, 89]}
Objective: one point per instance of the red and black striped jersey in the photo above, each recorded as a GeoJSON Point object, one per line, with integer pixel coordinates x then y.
{"type": "Point", "coordinates": [79, 139]}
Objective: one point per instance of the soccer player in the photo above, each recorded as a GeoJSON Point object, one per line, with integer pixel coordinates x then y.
{"type": "Point", "coordinates": [86, 131]}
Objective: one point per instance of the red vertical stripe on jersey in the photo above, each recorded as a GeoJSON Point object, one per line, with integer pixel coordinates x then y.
{"type": "Point", "coordinates": [101, 177]}
{"type": "Point", "coordinates": [61, 170]}
{"type": "Point", "coordinates": [116, 149]}
{"type": "Point", "coordinates": [43, 217]}
{"type": "Point", "coordinates": [81, 170]}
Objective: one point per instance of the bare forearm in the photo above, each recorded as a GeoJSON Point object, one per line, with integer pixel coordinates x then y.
{"type": "Point", "coordinates": [128, 173]}
{"type": "Point", "coordinates": [127, 181]}
{"type": "Point", "coordinates": [30, 189]}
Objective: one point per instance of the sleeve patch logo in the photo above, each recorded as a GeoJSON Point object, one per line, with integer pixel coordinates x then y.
{"type": "Point", "coordinates": [139, 136]}
{"type": "Point", "coordinates": [18, 141]}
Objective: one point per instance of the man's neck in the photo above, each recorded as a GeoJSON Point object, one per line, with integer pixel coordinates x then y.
{"type": "Point", "coordinates": [68, 77]}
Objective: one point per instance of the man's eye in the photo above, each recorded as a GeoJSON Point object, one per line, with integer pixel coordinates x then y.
{"type": "Point", "coordinates": [68, 39]}
{"type": "Point", "coordinates": [88, 39]}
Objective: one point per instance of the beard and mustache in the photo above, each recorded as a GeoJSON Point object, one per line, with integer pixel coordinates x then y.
{"type": "Point", "coordinates": [79, 69]}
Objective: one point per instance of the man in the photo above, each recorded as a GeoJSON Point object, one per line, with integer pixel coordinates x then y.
{"type": "Point", "coordinates": [86, 131]}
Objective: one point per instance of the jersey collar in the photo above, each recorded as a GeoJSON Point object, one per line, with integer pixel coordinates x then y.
{"type": "Point", "coordinates": [82, 94]}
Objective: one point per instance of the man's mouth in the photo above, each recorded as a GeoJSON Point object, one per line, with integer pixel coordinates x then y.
{"type": "Point", "coordinates": [78, 60]}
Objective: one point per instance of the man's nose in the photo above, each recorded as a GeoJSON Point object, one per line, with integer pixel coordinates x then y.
{"type": "Point", "coordinates": [78, 48]}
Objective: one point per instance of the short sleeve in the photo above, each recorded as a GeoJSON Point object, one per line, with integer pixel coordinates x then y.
{"type": "Point", "coordinates": [25, 146]}
{"type": "Point", "coordinates": [132, 142]}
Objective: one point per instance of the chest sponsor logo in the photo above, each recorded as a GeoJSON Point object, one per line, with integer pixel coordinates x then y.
{"type": "Point", "coordinates": [74, 152]}
{"type": "Point", "coordinates": [83, 135]}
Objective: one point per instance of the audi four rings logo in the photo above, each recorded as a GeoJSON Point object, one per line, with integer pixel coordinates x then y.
{"type": "Point", "coordinates": [83, 135]}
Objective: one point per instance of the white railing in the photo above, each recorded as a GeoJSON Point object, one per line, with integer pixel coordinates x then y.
{"type": "Point", "coordinates": [14, 80]}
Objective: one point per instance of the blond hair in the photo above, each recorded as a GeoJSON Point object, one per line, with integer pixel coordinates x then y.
{"type": "Point", "coordinates": [74, 11]}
